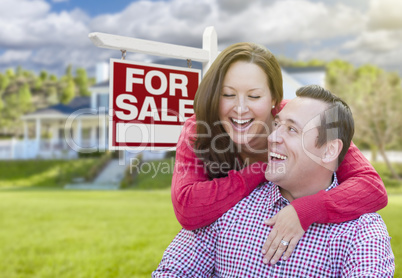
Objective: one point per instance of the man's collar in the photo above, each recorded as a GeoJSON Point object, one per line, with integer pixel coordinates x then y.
{"type": "Point", "coordinates": [334, 182]}
{"type": "Point", "coordinates": [275, 194]}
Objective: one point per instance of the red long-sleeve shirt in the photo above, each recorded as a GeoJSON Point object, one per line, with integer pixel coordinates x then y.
{"type": "Point", "coordinates": [198, 201]}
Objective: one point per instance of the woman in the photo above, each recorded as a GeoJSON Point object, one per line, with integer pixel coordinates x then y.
{"type": "Point", "coordinates": [221, 157]}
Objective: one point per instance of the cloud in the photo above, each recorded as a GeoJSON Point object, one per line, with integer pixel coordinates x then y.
{"type": "Point", "coordinates": [377, 41]}
{"type": "Point", "coordinates": [234, 6]}
{"type": "Point", "coordinates": [302, 29]}
{"type": "Point", "coordinates": [32, 25]}
{"type": "Point", "coordinates": [385, 14]}
{"type": "Point", "coordinates": [294, 21]}
{"type": "Point", "coordinates": [267, 22]}
{"type": "Point", "coordinates": [15, 56]}
{"type": "Point", "coordinates": [380, 39]}
{"type": "Point", "coordinates": [20, 11]}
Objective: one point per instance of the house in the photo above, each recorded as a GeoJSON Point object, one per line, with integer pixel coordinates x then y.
{"type": "Point", "coordinates": [64, 131]}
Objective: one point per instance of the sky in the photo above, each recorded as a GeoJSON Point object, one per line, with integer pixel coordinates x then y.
{"type": "Point", "coordinates": [52, 34]}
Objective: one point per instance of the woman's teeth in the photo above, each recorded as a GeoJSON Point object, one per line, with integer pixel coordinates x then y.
{"type": "Point", "coordinates": [275, 155]}
{"type": "Point", "coordinates": [241, 122]}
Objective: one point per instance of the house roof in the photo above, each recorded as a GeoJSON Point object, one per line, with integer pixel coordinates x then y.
{"type": "Point", "coordinates": [101, 84]}
{"type": "Point", "coordinates": [62, 109]}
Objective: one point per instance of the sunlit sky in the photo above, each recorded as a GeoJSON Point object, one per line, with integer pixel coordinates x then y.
{"type": "Point", "coordinates": [49, 35]}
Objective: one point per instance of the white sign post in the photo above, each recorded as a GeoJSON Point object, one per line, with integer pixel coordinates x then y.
{"type": "Point", "coordinates": [148, 102]}
{"type": "Point", "coordinates": [206, 55]}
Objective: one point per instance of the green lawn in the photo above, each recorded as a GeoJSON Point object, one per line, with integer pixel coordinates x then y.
{"type": "Point", "coordinates": [84, 234]}
{"type": "Point", "coordinates": [392, 215]}
{"type": "Point", "coordinates": [101, 234]}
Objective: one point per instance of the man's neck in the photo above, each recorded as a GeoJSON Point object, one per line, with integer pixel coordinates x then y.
{"type": "Point", "coordinates": [306, 188]}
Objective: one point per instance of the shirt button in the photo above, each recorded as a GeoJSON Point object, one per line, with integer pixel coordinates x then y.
{"type": "Point", "coordinates": [278, 263]}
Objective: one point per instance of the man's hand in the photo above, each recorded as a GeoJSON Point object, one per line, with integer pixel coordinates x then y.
{"type": "Point", "coordinates": [286, 228]}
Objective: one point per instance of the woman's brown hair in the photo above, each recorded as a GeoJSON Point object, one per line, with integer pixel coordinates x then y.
{"type": "Point", "coordinates": [212, 144]}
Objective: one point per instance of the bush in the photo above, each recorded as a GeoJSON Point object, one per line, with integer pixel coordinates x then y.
{"type": "Point", "coordinates": [43, 173]}
{"type": "Point", "coordinates": [96, 154]}
{"type": "Point", "coordinates": [150, 175]}
{"type": "Point", "coordinates": [392, 185]}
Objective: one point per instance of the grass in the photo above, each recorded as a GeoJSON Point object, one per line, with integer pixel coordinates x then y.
{"type": "Point", "coordinates": [88, 234]}
{"type": "Point", "coordinates": [153, 175]}
{"type": "Point", "coordinates": [392, 218]}
{"type": "Point", "coordinates": [84, 234]}
{"type": "Point", "coordinates": [63, 234]}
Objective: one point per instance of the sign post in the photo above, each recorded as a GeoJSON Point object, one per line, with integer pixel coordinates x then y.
{"type": "Point", "coordinates": [206, 55]}
{"type": "Point", "coordinates": [149, 103]}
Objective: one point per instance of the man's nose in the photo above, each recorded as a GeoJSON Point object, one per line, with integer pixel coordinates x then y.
{"type": "Point", "coordinates": [275, 136]}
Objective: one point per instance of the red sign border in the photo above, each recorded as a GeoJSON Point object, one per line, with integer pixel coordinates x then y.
{"type": "Point", "coordinates": [139, 146]}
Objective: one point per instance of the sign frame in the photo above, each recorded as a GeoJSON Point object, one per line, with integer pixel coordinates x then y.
{"type": "Point", "coordinates": [114, 128]}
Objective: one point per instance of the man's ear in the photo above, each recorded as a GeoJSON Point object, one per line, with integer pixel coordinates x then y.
{"type": "Point", "coordinates": [332, 150]}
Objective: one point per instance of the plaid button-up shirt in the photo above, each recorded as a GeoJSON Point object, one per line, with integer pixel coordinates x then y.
{"type": "Point", "coordinates": [231, 246]}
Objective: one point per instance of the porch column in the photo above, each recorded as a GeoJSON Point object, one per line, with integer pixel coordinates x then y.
{"type": "Point", "coordinates": [25, 144]}
{"type": "Point", "coordinates": [38, 134]}
{"type": "Point", "coordinates": [25, 131]}
{"type": "Point", "coordinates": [78, 134]}
{"type": "Point", "coordinates": [93, 141]}
{"type": "Point", "coordinates": [102, 129]}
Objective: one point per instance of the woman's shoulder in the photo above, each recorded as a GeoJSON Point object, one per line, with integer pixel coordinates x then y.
{"type": "Point", "coordinates": [188, 131]}
{"type": "Point", "coordinates": [190, 125]}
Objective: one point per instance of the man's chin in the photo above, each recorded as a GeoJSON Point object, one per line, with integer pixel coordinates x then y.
{"type": "Point", "coordinates": [275, 171]}
{"type": "Point", "coordinates": [271, 177]}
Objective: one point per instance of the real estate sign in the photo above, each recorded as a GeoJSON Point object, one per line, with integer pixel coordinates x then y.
{"type": "Point", "coordinates": [149, 104]}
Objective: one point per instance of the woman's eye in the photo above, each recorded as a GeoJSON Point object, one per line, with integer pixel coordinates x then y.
{"type": "Point", "coordinates": [292, 129]}
{"type": "Point", "coordinates": [227, 95]}
{"type": "Point", "coordinates": [254, 97]}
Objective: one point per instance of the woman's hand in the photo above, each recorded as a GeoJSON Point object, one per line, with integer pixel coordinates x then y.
{"type": "Point", "coordinates": [287, 228]}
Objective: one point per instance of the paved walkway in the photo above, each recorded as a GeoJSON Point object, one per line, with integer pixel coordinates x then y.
{"type": "Point", "coordinates": [108, 179]}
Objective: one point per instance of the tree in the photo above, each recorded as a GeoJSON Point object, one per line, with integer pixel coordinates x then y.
{"type": "Point", "coordinates": [69, 73]}
{"type": "Point", "coordinates": [4, 82]}
{"type": "Point", "coordinates": [375, 97]}
{"type": "Point", "coordinates": [43, 75]}
{"type": "Point", "coordinates": [52, 97]}
{"type": "Point", "coordinates": [53, 78]}
{"type": "Point", "coordinates": [81, 80]}
{"type": "Point", "coordinates": [10, 73]}
{"type": "Point", "coordinates": [25, 98]}
{"type": "Point", "coordinates": [68, 92]}
{"type": "Point", "coordinates": [21, 91]}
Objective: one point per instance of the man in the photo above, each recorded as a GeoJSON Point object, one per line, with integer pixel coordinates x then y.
{"type": "Point", "coordinates": [311, 136]}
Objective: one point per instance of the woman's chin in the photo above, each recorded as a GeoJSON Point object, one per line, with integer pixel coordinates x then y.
{"type": "Point", "coordinates": [241, 142]}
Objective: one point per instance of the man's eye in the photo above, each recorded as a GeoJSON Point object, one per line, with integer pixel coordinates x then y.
{"type": "Point", "coordinates": [292, 129]}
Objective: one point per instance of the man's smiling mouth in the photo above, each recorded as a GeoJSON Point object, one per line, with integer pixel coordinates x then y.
{"type": "Point", "coordinates": [277, 156]}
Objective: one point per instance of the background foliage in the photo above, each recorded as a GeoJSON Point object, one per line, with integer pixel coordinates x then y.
{"type": "Point", "coordinates": [23, 91]}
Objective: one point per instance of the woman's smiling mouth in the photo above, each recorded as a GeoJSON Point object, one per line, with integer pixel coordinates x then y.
{"type": "Point", "coordinates": [241, 124]}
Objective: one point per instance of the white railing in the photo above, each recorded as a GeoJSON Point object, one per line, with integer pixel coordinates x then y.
{"type": "Point", "coordinates": [45, 149]}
